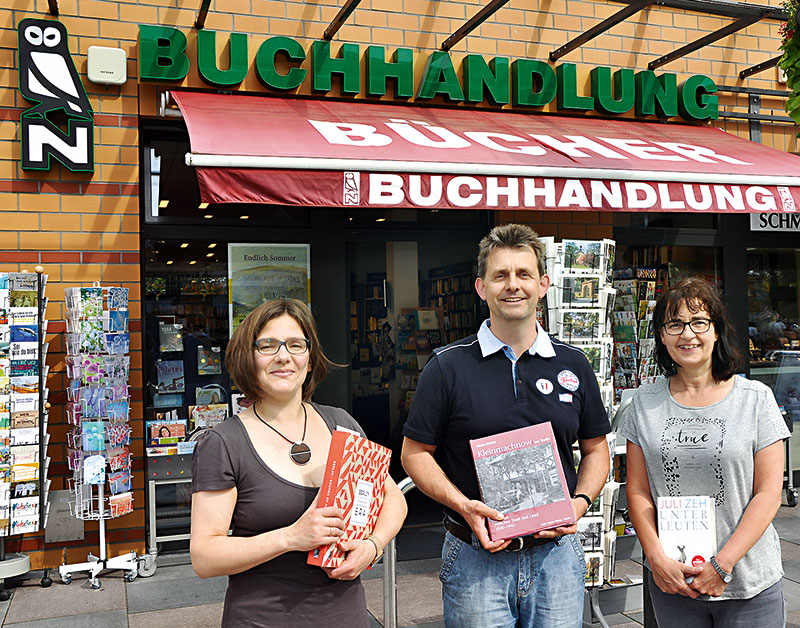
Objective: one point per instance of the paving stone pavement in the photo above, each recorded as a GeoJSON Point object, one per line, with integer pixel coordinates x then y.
{"type": "Point", "coordinates": [174, 597]}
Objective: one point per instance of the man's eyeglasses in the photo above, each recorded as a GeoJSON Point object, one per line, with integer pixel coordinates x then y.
{"type": "Point", "coordinates": [697, 325]}
{"type": "Point", "coordinates": [271, 346]}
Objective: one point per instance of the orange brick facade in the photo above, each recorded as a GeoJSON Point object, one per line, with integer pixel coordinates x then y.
{"type": "Point", "coordinates": [84, 228]}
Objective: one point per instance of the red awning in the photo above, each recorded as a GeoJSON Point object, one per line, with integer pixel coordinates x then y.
{"type": "Point", "coordinates": [251, 149]}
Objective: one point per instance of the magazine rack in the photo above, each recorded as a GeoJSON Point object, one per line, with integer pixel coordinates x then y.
{"type": "Point", "coordinates": [23, 416]}
{"type": "Point", "coordinates": [97, 342]}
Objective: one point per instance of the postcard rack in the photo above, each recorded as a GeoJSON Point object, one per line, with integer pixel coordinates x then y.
{"type": "Point", "coordinates": [577, 308]}
{"type": "Point", "coordinates": [98, 408]}
{"type": "Point", "coordinates": [23, 416]}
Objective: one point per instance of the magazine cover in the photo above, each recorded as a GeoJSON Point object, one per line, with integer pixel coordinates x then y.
{"type": "Point", "coordinates": [687, 528]}
{"type": "Point", "coordinates": [170, 376]}
{"type": "Point", "coordinates": [209, 360]}
{"type": "Point", "coordinates": [355, 475]}
{"type": "Point", "coordinates": [520, 474]}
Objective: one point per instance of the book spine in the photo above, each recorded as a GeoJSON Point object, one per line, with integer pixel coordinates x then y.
{"type": "Point", "coordinates": [327, 492]}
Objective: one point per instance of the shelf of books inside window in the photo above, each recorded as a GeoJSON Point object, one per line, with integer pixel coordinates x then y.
{"type": "Point", "coordinates": [98, 401]}
{"type": "Point", "coordinates": [24, 438]}
{"type": "Point", "coordinates": [419, 332]}
{"type": "Point", "coordinates": [452, 289]}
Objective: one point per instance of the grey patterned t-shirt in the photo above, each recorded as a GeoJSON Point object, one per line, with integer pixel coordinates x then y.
{"type": "Point", "coordinates": [709, 451]}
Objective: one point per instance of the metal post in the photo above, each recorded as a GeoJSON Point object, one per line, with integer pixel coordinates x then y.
{"type": "Point", "coordinates": [390, 571]}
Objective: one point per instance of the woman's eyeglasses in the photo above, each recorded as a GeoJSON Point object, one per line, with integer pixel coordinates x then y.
{"type": "Point", "coordinates": [271, 346]}
{"type": "Point", "coordinates": [697, 325]}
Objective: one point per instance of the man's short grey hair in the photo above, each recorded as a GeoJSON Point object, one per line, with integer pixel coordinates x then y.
{"type": "Point", "coordinates": [511, 236]}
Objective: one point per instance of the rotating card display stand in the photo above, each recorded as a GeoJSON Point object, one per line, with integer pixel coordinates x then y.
{"type": "Point", "coordinates": [98, 408]}
{"type": "Point", "coordinates": [24, 486]}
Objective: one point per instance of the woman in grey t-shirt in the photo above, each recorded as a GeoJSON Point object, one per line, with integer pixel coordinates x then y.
{"type": "Point", "coordinates": [705, 431]}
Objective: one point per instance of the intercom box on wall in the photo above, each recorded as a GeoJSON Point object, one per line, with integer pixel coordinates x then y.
{"type": "Point", "coordinates": [107, 66]}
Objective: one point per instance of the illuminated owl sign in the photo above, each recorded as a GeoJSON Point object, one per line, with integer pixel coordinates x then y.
{"type": "Point", "coordinates": [47, 76]}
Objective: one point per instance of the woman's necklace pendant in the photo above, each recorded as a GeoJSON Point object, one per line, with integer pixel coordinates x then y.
{"type": "Point", "coordinates": [300, 453]}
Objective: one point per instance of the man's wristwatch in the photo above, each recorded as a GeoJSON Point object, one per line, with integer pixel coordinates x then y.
{"type": "Point", "coordinates": [726, 577]}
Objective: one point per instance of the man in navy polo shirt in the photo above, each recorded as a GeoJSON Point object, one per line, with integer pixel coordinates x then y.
{"type": "Point", "coordinates": [510, 375]}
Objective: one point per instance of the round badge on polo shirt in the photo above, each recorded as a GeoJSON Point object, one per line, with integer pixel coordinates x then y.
{"type": "Point", "coordinates": [545, 386]}
{"type": "Point", "coordinates": [567, 379]}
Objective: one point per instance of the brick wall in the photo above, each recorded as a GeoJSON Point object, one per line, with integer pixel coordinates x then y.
{"type": "Point", "coordinates": [82, 228]}
{"type": "Point", "coordinates": [85, 227]}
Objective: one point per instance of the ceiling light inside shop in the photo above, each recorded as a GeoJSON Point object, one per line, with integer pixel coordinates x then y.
{"type": "Point", "coordinates": [163, 204]}
{"type": "Point", "coordinates": [212, 245]}
{"type": "Point", "coordinates": [192, 262]}
{"type": "Point", "coordinates": [209, 255]}
{"type": "Point", "coordinates": [169, 262]}
{"type": "Point", "coordinates": [208, 216]}
{"type": "Point", "coordinates": [202, 206]}
{"type": "Point", "coordinates": [243, 217]}
{"type": "Point", "coordinates": [184, 245]}
{"type": "Point", "coordinates": [380, 220]}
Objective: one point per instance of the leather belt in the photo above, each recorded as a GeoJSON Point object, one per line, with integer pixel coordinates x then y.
{"type": "Point", "coordinates": [520, 543]}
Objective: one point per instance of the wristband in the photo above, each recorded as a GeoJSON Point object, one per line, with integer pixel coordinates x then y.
{"type": "Point", "coordinates": [583, 496]}
{"type": "Point", "coordinates": [378, 551]}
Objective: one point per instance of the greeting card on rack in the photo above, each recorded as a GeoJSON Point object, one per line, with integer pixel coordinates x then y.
{"type": "Point", "coordinates": [118, 321]}
{"type": "Point", "coordinates": [121, 504]}
{"type": "Point", "coordinates": [117, 298]}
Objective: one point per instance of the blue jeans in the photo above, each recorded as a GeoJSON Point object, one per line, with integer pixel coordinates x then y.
{"type": "Point", "coordinates": [540, 587]}
{"type": "Point", "coordinates": [765, 610]}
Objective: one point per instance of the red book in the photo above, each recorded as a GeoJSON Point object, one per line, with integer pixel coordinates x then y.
{"type": "Point", "coordinates": [355, 475]}
{"type": "Point", "coordinates": [520, 474]}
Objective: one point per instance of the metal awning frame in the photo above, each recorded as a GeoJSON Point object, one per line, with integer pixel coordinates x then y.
{"type": "Point", "coordinates": [744, 14]}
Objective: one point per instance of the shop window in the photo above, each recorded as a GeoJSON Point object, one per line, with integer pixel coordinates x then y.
{"type": "Point", "coordinates": [172, 194]}
{"type": "Point", "coordinates": [186, 329]}
{"type": "Point", "coordinates": [774, 327]}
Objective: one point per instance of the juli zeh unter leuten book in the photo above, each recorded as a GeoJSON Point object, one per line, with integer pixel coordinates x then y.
{"type": "Point", "coordinates": [687, 528]}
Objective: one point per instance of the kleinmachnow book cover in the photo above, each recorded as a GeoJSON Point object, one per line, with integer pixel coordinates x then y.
{"type": "Point", "coordinates": [354, 480]}
{"type": "Point", "coordinates": [687, 529]}
{"type": "Point", "coordinates": [520, 474]}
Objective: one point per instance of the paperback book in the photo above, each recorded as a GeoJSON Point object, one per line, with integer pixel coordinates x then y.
{"type": "Point", "coordinates": [355, 475]}
{"type": "Point", "coordinates": [687, 529]}
{"type": "Point", "coordinates": [519, 474]}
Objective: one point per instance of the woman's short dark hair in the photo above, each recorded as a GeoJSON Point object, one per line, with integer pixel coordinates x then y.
{"type": "Point", "coordinates": [698, 294]}
{"type": "Point", "coordinates": [240, 356]}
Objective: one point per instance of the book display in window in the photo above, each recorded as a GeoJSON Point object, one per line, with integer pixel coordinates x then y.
{"type": "Point", "coordinates": [98, 409]}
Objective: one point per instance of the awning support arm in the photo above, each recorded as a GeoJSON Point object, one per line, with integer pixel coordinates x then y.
{"type": "Point", "coordinates": [764, 65]}
{"type": "Point", "coordinates": [200, 20]}
{"type": "Point", "coordinates": [52, 6]}
{"type": "Point", "coordinates": [734, 27]}
{"type": "Point", "coordinates": [599, 29]}
{"type": "Point", "coordinates": [341, 17]}
{"type": "Point", "coordinates": [472, 23]}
